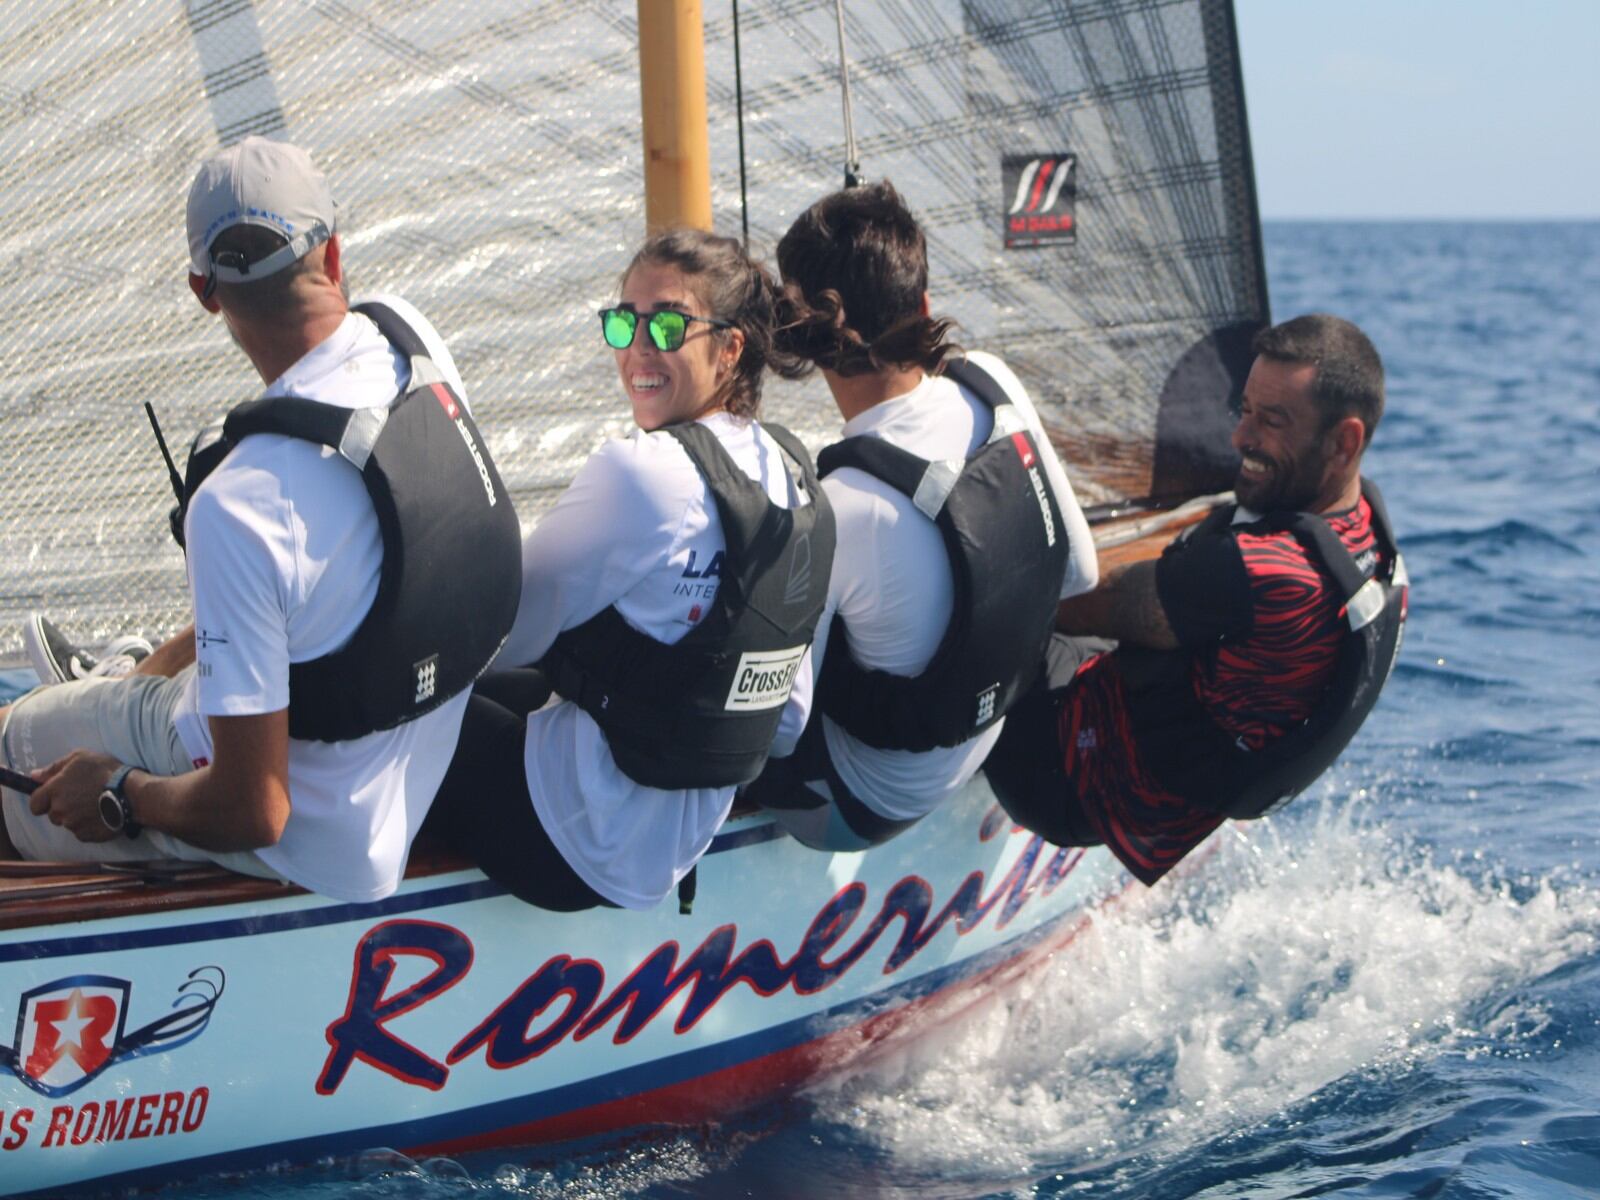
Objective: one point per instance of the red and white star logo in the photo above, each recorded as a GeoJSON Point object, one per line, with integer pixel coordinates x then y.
{"type": "Point", "coordinates": [67, 1033]}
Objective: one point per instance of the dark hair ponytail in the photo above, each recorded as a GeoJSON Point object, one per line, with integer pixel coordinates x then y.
{"type": "Point", "coordinates": [734, 288]}
{"type": "Point", "coordinates": [855, 269]}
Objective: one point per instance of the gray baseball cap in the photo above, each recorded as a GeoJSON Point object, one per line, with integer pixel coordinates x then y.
{"type": "Point", "coordinates": [258, 182]}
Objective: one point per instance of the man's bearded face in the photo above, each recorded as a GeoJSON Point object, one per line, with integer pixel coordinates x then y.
{"type": "Point", "coordinates": [1281, 439]}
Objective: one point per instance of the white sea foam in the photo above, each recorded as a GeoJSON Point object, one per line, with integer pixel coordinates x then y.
{"type": "Point", "coordinates": [672, 1162]}
{"type": "Point", "coordinates": [390, 1175]}
{"type": "Point", "coordinates": [1297, 955]}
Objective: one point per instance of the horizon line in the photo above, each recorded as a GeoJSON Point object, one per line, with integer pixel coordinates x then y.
{"type": "Point", "coordinates": [1479, 219]}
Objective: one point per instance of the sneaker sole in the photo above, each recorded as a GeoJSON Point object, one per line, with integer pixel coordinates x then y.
{"type": "Point", "coordinates": [50, 653]}
{"type": "Point", "coordinates": [35, 640]}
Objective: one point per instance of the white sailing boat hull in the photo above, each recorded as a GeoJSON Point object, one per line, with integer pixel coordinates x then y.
{"type": "Point", "coordinates": [488, 174]}
{"type": "Point", "coordinates": [452, 1017]}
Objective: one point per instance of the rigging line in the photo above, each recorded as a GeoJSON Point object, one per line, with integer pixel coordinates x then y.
{"type": "Point", "coordinates": [852, 164]}
{"type": "Point", "coordinates": [738, 106]}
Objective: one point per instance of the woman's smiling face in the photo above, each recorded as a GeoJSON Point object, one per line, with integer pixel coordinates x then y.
{"type": "Point", "coordinates": [671, 387]}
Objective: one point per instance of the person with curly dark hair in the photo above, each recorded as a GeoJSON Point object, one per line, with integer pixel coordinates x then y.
{"type": "Point", "coordinates": [958, 534]}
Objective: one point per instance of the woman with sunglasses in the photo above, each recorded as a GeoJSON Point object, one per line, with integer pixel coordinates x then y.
{"type": "Point", "coordinates": [669, 599]}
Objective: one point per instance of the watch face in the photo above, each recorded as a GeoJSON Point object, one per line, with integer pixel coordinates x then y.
{"type": "Point", "coordinates": [111, 810]}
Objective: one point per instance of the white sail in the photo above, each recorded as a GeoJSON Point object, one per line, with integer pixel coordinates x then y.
{"type": "Point", "coordinates": [487, 160]}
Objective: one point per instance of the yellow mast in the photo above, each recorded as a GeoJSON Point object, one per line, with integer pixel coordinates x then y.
{"type": "Point", "coordinates": [672, 92]}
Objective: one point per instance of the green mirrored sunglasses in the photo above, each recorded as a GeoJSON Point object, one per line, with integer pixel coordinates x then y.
{"type": "Point", "coordinates": [666, 327]}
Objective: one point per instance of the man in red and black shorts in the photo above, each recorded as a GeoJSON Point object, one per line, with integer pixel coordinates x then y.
{"type": "Point", "coordinates": [1225, 643]}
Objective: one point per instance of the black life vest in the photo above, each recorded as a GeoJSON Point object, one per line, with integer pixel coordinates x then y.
{"type": "Point", "coordinates": [1192, 757]}
{"type": "Point", "coordinates": [1007, 545]}
{"type": "Point", "coordinates": [702, 712]}
{"type": "Point", "coordinates": [452, 548]}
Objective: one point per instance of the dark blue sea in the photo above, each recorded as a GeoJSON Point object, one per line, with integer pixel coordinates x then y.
{"type": "Point", "coordinates": [1391, 989]}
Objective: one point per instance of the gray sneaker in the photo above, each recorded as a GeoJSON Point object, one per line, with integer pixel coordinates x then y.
{"type": "Point", "coordinates": [57, 660]}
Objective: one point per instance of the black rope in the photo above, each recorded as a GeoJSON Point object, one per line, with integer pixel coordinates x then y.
{"type": "Point", "coordinates": [738, 98]}
{"type": "Point", "coordinates": [687, 886]}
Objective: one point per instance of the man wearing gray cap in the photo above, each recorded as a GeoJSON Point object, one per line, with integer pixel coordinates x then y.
{"type": "Point", "coordinates": [353, 561]}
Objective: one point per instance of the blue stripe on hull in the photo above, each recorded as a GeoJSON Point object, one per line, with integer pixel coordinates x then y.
{"type": "Point", "coordinates": [572, 1098]}
{"type": "Point", "coordinates": [307, 918]}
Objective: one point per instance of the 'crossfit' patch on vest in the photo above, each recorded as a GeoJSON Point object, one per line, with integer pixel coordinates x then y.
{"type": "Point", "coordinates": [764, 678]}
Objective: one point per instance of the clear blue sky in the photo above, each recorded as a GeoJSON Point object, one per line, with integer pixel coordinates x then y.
{"type": "Point", "coordinates": [1424, 108]}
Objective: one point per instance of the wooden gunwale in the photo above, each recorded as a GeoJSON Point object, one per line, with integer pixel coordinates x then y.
{"type": "Point", "coordinates": [45, 894]}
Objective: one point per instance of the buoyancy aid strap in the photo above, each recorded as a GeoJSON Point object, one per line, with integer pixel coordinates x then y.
{"type": "Point", "coordinates": [610, 657]}
{"type": "Point", "coordinates": [935, 486]}
{"type": "Point", "coordinates": [740, 524]}
{"type": "Point", "coordinates": [757, 532]}
{"type": "Point", "coordinates": [802, 472]}
{"type": "Point", "coordinates": [1008, 419]}
{"type": "Point", "coordinates": [424, 371]}
{"type": "Point", "coordinates": [351, 431]}
{"type": "Point", "coordinates": [396, 332]}
{"type": "Point", "coordinates": [1370, 602]}
{"type": "Point", "coordinates": [928, 484]}
{"type": "Point", "coordinates": [1361, 593]}
{"type": "Point", "coordinates": [361, 435]}
{"type": "Point", "coordinates": [308, 420]}
{"type": "Point", "coordinates": [687, 887]}
{"type": "Point", "coordinates": [977, 381]}
{"type": "Point", "coordinates": [1381, 528]}
{"type": "Point", "coordinates": [1366, 605]}
{"type": "Point", "coordinates": [704, 448]}
{"type": "Point", "coordinates": [1328, 547]}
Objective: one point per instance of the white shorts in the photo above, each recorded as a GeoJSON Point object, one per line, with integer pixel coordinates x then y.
{"type": "Point", "coordinates": [131, 720]}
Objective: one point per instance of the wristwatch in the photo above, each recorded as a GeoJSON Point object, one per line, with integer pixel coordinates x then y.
{"type": "Point", "coordinates": [115, 810]}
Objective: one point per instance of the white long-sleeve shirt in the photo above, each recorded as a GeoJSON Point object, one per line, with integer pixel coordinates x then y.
{"type": "Point", "coordinates": [636, 529]}
{"type": "Point", "coordinates": [892, 584]}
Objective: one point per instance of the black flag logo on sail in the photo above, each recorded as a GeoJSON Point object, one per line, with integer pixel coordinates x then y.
{"type": "Point", "coordinates": [1039, 193]}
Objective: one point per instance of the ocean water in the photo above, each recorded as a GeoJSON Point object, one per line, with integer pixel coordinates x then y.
{"type": "Point", "coordinates": [1391, 989]}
